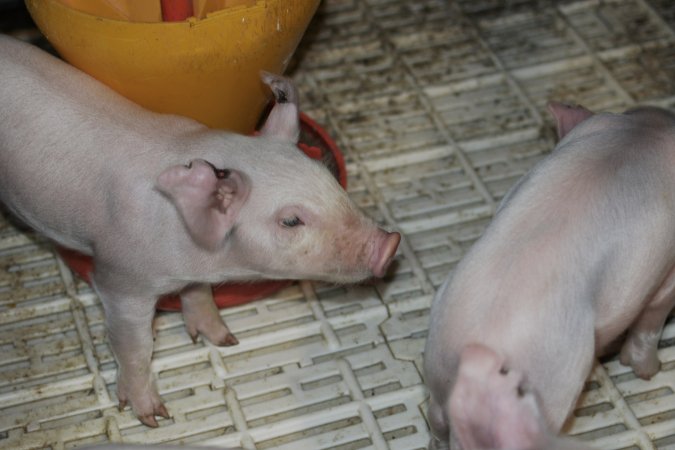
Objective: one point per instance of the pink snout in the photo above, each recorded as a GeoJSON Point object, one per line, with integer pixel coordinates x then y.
{"type": "Point", "coordinates": [383, 252]}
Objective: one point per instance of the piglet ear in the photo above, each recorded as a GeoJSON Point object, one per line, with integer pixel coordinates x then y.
{"type": "Point", "coordinates": [207, 199]}
{"type": "Point", "coordinates": [567, 117]}
{"type": "Point", "coordinates": [283, 121]}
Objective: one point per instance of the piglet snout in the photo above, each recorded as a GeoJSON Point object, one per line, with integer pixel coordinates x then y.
{"type": "Point", "coordinates": [383, 252]}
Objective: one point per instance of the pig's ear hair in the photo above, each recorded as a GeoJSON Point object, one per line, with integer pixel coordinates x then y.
{"type": "Point", "coordinates": [567, 117]}
{"type": "Point", "coordinates": [283, 121]}
{"type": "Point", "coordinates": [208, 199]}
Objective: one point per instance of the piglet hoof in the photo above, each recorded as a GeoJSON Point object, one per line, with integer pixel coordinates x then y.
{"type": "Point", "coordinates": [227, 341]}
{"type": "Point", "coordinates": [645, 364]}
{"type": "Point", "coordinates": [648, 373]}
{"type": "Point", "coordinates": [222, 337]}
{"type": "Point", "coordinates": [145, 403]}
{"type": "Point", "coordinates": [202, 317]}
{"type": "Point", "coordinates": [211, 327]}
{"type": "Point", "coordinates": [643, 369]}
{"type": "Point", "coordinates": [217, 335]}
{"type": "Point", "coordinates": [149, 419]}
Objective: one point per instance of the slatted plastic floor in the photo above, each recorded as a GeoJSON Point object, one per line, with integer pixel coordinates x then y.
{"type": "Point", "coordinates": [439, 106]}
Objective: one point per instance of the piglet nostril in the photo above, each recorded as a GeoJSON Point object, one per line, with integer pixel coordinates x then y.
{"type": "Point", "coordinates": [384, 254]}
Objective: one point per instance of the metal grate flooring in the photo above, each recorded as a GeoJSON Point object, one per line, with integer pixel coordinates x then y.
{"type": "Point", "coordinates": [439, 106]}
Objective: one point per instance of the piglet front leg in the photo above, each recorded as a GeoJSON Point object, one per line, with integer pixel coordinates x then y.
{"type": "Point", "coordinates": [129, 326]}
{"type": "Point", "coordinates": [201, 316]}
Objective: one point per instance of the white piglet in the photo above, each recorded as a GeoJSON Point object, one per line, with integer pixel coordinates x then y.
{"type": "Point", "coordinates": [581, 249]}
{"type": "Point", "coordinates": [164, 204]}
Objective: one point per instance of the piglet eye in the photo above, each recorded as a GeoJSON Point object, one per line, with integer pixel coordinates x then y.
{"type": "Point", "coordinates": [291, 222]}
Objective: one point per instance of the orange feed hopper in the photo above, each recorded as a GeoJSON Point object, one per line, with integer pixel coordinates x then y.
{"type": "Point", "coordinates": [205, 67]}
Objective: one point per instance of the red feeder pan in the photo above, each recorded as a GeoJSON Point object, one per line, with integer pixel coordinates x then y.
{"type": "Point", "coordinates": [316, 143]}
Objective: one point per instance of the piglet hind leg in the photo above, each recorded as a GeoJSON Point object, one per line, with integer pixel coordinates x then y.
{"type": "Point", "coordinates": [640, 348]}
{"type": "Point", "coordinates": [201, 316]}
{"type": "Point", "coordinates": [129, 326]}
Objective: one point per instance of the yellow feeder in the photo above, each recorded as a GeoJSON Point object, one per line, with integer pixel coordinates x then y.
{"type": "Point", "coordinates": [205, 68]}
